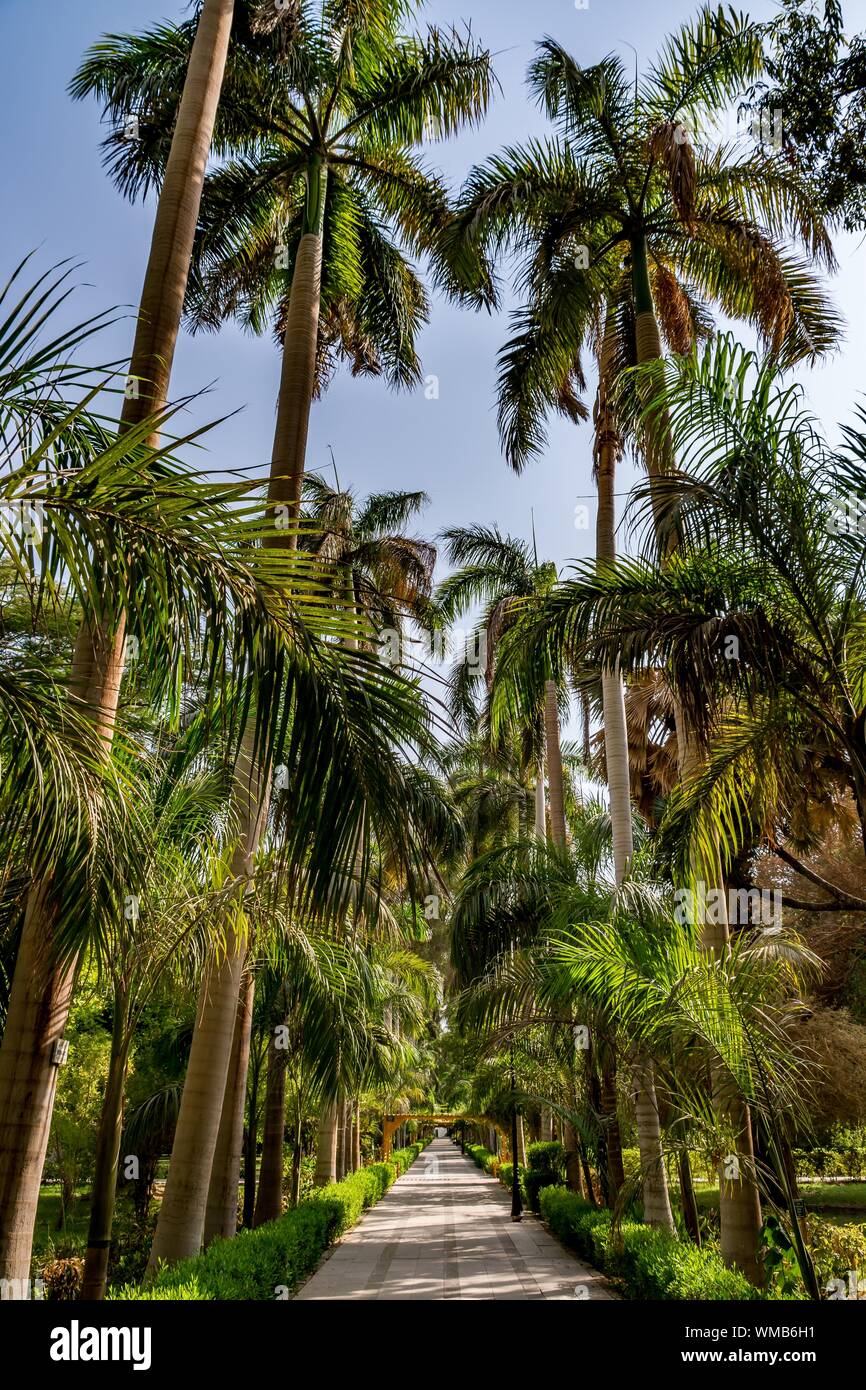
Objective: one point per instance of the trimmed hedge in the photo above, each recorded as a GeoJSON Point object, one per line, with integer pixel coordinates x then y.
{"type": "Point", "coordinates": [271, 1261]}
{"type": "Point", "coordinates": [644, 1263]}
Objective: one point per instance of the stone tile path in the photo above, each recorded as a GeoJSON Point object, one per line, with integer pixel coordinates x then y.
{"type": "Point", "coordinates": [445, 1231]}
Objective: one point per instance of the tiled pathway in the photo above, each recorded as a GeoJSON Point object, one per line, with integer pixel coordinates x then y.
{"type": "Point", "coordinates": [445, 1231]}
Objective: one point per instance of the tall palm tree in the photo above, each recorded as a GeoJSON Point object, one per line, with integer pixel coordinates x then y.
{"type": "Point", "coordinates": [323, 156]}
{"type": "Point", "coordinates": [628, 221]}
{"type": "Point", "coordinates": [27, 1075]}
{"type": "Point", "coordinates": [499, 571]}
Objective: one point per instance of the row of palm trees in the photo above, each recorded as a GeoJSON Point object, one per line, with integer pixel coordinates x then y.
{"type": "Point", "coordinates": [268, 602]}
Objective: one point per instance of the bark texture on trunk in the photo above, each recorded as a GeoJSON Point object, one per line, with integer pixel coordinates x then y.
{"type": "Point", "coordinates": [573, 1175]}
{"type": "Point", "coordinates": [221, 1213]}
{"type": "Point", "coordinates": [656, 1200]}
{"type": "Point", "coordinates": [180, 1225]}
{"type": "Point", "coordinates": [326, 1145]}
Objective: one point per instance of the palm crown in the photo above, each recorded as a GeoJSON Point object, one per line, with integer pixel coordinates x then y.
{"type": "Point", "coordinates": [626, 210]}
{"type": "Point", "coordinates": [320, 119]}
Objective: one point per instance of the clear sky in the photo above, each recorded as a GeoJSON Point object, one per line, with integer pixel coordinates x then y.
{"type": "Point", "coordinates": [58, 198]}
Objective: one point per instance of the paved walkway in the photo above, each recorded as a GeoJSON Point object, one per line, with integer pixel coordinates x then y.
{"type": "Point", "coordinates": [445, 1231]}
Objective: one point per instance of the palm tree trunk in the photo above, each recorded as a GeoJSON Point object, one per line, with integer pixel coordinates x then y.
{"type": "Point", "coordinates": [610, 1120]}
{"type": "Point", "coordinates": [341, 1141]}
{"type": "Point", "coordinates": [656, 1200]}
{"type": "Point", "coordinates": [546, 1124]}
{"type": "Point", "coordinates": [521, 1142]}
{"type": "Point", "coordinates": [739, 1199]}
{"type": "Point", "coordinates": [106, 1159]}
{"type": "Point", "coordinates": [221, 1213]}
{"type": "Point", "coordinates": [250, 1144]}
{"type": "Point", "coordinates": [269, 1202]}
{"type": "Point", "coordinates": [687, 1196]}
{"type": "Point", "coordinates": [298, 372]}
{"type": "Point", "coordinates": [540, 819]}
{"type": "Point", "coordinates": [180, 1224]}
{"type": "Point", "coordinates": [39, 1005]}
{"type": "Point", "coordinates": [554, 765]}
{"type": "Point", "coordinates": [573, 1175]}
{"type": "Point", "coordinates": [356, 1138]}
{"type": "Point", "coordinates": [326, 1145]}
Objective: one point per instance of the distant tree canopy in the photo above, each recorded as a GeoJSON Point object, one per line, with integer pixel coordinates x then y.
{"type": "Point", "coordinates": [816, 78]}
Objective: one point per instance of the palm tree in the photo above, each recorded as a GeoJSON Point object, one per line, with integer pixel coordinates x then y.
{"type": "Point", "coordinates": [499, 571]}
{"type": "Point", "coordinates": [179, 824]}
{"type": "Point", "coordinates": [622, 219]}
{"type": "Point", "coordinates": [325, 148]}
{"type": "Point", "coordinates": [98, 665]}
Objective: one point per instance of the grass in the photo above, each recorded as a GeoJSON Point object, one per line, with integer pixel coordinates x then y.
{"type": "Point", "coordinates": [74, 1231]}
{"type": "Point", "coordinates": [834, 1200]}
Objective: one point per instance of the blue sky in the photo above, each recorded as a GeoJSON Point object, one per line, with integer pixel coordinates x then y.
{"type": "Point", "coordinates": [58, 198]}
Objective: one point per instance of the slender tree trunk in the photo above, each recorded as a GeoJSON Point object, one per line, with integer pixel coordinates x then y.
{"type": "Point", "coordinates": [221, 1213]}
{"type": "Point", "coordinates": [297, 1155]}
{"type": "Point", "coordinates": [180, 1225]}
{"type": "Point", "coordinates": [546, 1124]}
{"type": "Point", "coordinates": [108, 1136]}
{"type": "Point", "coordinates": [326, 1145]}
{"type": "Point", "coordinates": [269, 1202]}
{"type": "Point", "coordinates": [573, 1177]}
{"type": "Point", "coordinates": [341, 1140]}
{"type": "Point", "coordinates": [521, 1142]}
{"type": "Point", "coordinates": [298, 372]}
{"type": "Point", "coordinates": [613, 1144]}
{"type": "Point", "coordinates": [356, 1138]}
{"type": "Point", "coordinates": [739, 1199]}
{"type": "Point", "coordinates": [540, 819]}
{"type": "Point", "coordinates": [687, 1195]}
{"type": "Point", "coordinates": [250, 1146]}
{"type": "Point", "coordinates": [39, 1002]}
{"type": "Point", "coordinates": [554, 765]}
{"type": "Point", "coordinates": [656, 1200]}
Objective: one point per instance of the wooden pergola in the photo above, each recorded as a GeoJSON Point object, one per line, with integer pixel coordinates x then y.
{"type": "Point", "coordinates": [391, 1123]}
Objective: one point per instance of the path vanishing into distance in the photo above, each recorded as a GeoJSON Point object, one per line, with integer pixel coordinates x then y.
{"type": "Point", "coordinates": [444, 1231]}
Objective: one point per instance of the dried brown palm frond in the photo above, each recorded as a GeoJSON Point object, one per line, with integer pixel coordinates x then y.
{"type": "Point", "coordinates": [670, 144]}
{"type": "Point", "coordinates": [674, 309]}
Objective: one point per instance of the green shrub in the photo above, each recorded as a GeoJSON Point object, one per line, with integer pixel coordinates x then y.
{"type": "Point", "coordinates": [644, 1263]}
{"type": "Point", "coordinates": [484, 1158]}
{"type": "Point", "coordinates": [545, 1168]}
{"type": "Point", "coordinates": [403, 1158]}
{"type": "Point", "coordinates": [272, 1260]}
{"type": "Point", "coordinates": [548, 1156]}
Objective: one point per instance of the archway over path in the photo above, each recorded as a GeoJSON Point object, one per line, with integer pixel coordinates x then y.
{"type": "Point", "coordinates": [391, 1123]}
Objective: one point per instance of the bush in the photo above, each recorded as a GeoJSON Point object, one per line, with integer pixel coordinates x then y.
{"type": "Point", "coordinates": [274, 1259]}
{"type": "Point", "coordinates": [63, 1278]}
{"type": "Point", "coordinates": [545, 1168]}
{"type": "Point", "coordinates": [642, 1262]}
{"type": "Point", "coordinates": [546, 1157]}
{"type": "Point", "coordinates": [403, 1158]}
